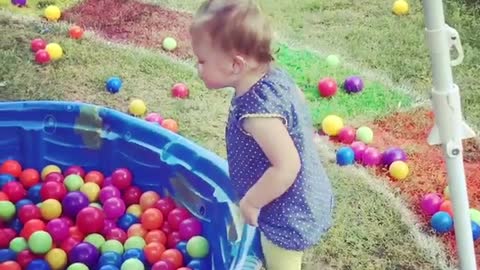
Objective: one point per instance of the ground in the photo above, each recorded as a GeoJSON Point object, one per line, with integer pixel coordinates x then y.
{"type": "Point", "coordinates": [377, 221]}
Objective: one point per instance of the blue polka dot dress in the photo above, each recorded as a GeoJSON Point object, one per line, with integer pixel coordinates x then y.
{"type": "Point", "coordinates": [297, 219]}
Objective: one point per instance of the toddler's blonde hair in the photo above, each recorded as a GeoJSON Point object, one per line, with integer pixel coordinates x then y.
{"type": "Point", "coordinates": [236, 26]}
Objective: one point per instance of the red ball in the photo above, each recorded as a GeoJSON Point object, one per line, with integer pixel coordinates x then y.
{"type": "Point", "coordinates": [153, 252]}
{"type": "Point", "coordinates": [11, 167]}
{"type": "Point", "coordinates": [176, 216]}
{"type": "Point", "coordinates": [53, 190]}
{"type": "Point", "coordinates": [94, 177]}
{"type": "Point", "coordinates": [166, 205]}
{"type": "Point", "coordinates": [76, 32]}
{"type": "Point", "coordinates": [347, 135]}
{"type": "Point", "coordinates": [327, 87]}
{"type": "Point", "coordinates": [156, 236]}
{"type": "Point", "coordinates": [152, 219]}
{"type": "Point", "coordinates": [32, 226]}
{"type": "Point", "coordinates": [29, 178]}
{"type": "Point", "coordinates": [10, 265]}
{"type": "Point", "coordinates": [174, 256]}
{"type": "Point", "coordinates": [76, 234]}
{"type": "Point", "coordinates": [180, 90]}
{"type": "Point", "coordinates": [90, 220]}
{"type": "Point", "coordinates": [75, 170]}
{"type": "Point", "coordinates": [6, 235]}
{"type": "Point", "coordinates": [29, 212]}
{"type": "Point", "coordinates": [3, 196]}
{"type": "Point", "coordinates": [131, 195]}
{"type": "Point", "coordinates": [54, 177]}
{"type": "Point", "coordinates": [122, 178]}
{"type": "Point", "coordinates": [38, 44]}
{"type": "Point", "coordinates": [173, 239]}
{"type": "Point", "coordinates": [42, 57]}
{"type": "Point", "coordinates": [24, 257]}
{"type": "Point", "coordinates": [117, 234]}
{"type": "Point", "coordinates": [69, 243]}
{"type": "Point", "coordinates": [14, 191]}
{"type": "Point", "coordinates": [163, 265]}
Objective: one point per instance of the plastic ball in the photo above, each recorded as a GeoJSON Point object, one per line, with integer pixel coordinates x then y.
{"type": "Point", "coordinates": [14, 191]}
{"type": "Point", "coordinates": [364, 134]}
{"type": "Point", "coordinates": [333, 60]}
{"type": "Point", "coordinates": [112, 246]}
{"type": "Point", "coordinates": [42, 57]}
{"type": "Point", "coordinates": [475, 215]}
{"type": "Point", "coordinates": [430, 203]}
{"type": "Point", "coordinates": [126, 221]}
{"type": "Point", "coordinates": [332, 124]}
{"type": "Point", "coordinates": [400, 7]}
{"type": "Point", "coordinates": [393, 154]}
{"type": "Point", "coordinates": [73, 182]}
{"type": "Point", "coordinates": [190, 227]}
{"type": "Point", "coordinates": [22, 203]}
{"type": "Point", "coordinates": [53, 190]}
{"type": "Point", "coordinates": [54, 50]}
{"type": "Point", "coordinates": [165, 205]}
{"type": "Point", "coordinates": [31, 227]}
{"type": "Point", "coordinates": [75, 32]}
{"type": "Point", "coordinates": [51, 209]}
{"type": "Point", "coordinates": [398, 170]}
{"type": "Point", "coordinates": [49, 169]}
{"type": "Point", "coordinates": [353, 84]}
{"type": "Point", "coordinates": [34, 193]}
{"type": "Point", "coordinates": [54, 177]}
{"type": "Point", "coordinates": [327, 87]}
{"type": "Point", "coordinates": [25, 257]}
{"type": "Point", "coordinates": [75, 169]}
{"type": "Point", "coordinates": [198, 247]}
{"type": "Point", "coordinates": [57, 259]}
{"type": "Point", "coordinates": [29, 178]}
{"type": "Point", "coordinates": [173, 239]}
{"type": "Point", "coordinates": [114, 208]}
{"type": "Point", "coordinates": [134, 242]}
{"type": "Point", "coordinates": [114, 84]}
{"type": "Point", "coordinates": [11, 167]}
{"type": "Point", "coordinates": [134, 209]}
{"type": "Point", "coordinates": [3, 196]}
{"type": "Point", "coordinates": [38, 264]}
{"type": "Point", "coordinates": [137, 107]}
{"type": "Point", "coordinates": [134, 253]}
{"type": "Point", "coordinates": [447, 206]}
{"type": "Point", "coordinates": [107, 181]}
{"type": "Point", "coordinates": [90, 220]}
{"type": "Point", "coordinates": [38, 44]}
{"type": "Point", "coordinates": [173, 256]}
{"type": "Point", "coordinates": [6, 178]}
{"type": "Point", "coordinates": [154, 118]}
{"type": "Point", "coordinates": [58, 229]}
{"type": "Point", "coordinates": [148, 199]}
{"type": "Point", "coordinates": [136, 230]}
{"type": "Point", "coordinates": [8, 210]}
{"type": "Point", "coordinates": [76, 233]}
{"type": "Point", "coordinates": [198, 265]}
{"type": "Point", "coordinates": [73, 203]}
{"type": "Point", "coordinates": [442, 222]}
{"type": "Point", "coordinates": [122, 178]}
{"type": "Point", "coordinates": [69, 243]}
{"type": "Point", "coordinates": [132, 264]}
{"type": "Point", "coordinates": [153, 252]}
{"type": "Point", "coordinates": [182, 247]}
{"type": "Point", "coordinates": [18, 244]}
{"type": "Point", "coordinates": [85, 253]}
{"type": "Point", "coordinates": [475, 231]}
{"type": "Point", "coordinates": [109, 192]}
{"type": "Point", "coordinates": [171, 125]}
{"type": "Point", "coordinates": [40, 242]}
{"type": "Point", "coordinates": [28, 212]}
{"type": "Point", "coordinates": [16, 225]}
{"type": "Point", "coordinates": [131, 195]}
{"type": "Point", "coordinates": [95, 239]}
{"type": "Point", "coordinates": [117, 234]}
{"type": "Point", "coordinates": [6, 235]}
{"type": "Point", "coordinates": [92, 190]}
{"type": "Point", "coordinates": [169, 43]}
{"type": "Point", "coordinates": [156, 236]}
{"type": "Point", "coordinates": [52, 13]}
{"type": "Point", "coordinates": [345, 156]}
{"type": "Point", "coordinates": [152, 219]}
{"type": "Point", "coordinates": [110, 258]}
{"type": "Point", "coordinates": [7, 255]}
{"type": "Point", "coordinates": [109, 267]}
{"type": "Point", "coordinates": [180, 90]}
{"type": "Point", "coordinates": [371, 157]}
{"type": "Point", "coordinates": [77, 266]}
{"type": "Point", "coordinates": [94, 177]}
{"type": "Point", "coordinates": [163, 265]}
{"type": "Point", "coordinates": [347, 135]}
{"type": "Point", "coordinates": [176, 216]}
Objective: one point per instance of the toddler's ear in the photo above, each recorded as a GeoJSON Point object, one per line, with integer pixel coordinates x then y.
{"type": "Point", "coordinates": [238, 64]}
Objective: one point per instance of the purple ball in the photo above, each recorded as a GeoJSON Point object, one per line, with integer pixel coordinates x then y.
{"type": "Point", "coordinates": [371, 157]}
{"type": "Point", "coordinates": [19, 2]}
{"type": "Point", "coordinates": [358, 149]}
{"type": "Point", "coordinates": [430, 203]}
{"type": "Point", "coordinates": [73, 203]}
{"type": "Point", "coordinates": [109, 192]}
{"type": "Point", "coordinates": [393, 154]}
{"type": "Point", "coordinates": [114, 208]}
{"type": "Point", "coordinates": [189, 228]}
{"type": "Point", "coordinates": [58, 229]}
{"type": "Point", "coordinates": [353, 84]}
{"type": "Point", "coordinates": [85, 253]}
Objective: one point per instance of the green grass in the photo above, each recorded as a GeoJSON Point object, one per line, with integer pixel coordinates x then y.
{"type": "Point", "coordinates": [369, 231]}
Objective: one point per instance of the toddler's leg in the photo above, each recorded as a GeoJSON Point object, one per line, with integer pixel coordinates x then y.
{"type": "Point", "coordinates": [278, 258]}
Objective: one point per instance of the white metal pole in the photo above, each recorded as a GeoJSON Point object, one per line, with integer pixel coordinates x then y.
{"type": "Point", "coordinates": [449, 129]}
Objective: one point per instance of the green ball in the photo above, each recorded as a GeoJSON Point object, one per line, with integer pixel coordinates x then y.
{"type": "Point", "coordinates": [365, 134]}
{"type": "Point", "coordinates": [112, 245]}
{"type": "Point", "coordinates": [475, 215]}
{"type": "Point", "coordinates": [73, 182]}
{"type": "Point", "coordinates": [40, 242]}
{"type": "Point", "coordinates": [132, 264]}
{"type": "Point", "coordinates": [77, 266]}
{"type": "Point", "coordinates": [18, 244]}
{"type": "Point", "coordinates": [95, 239]}
{"type": "Point", "coordinates": [332, 60]}
{"type": "Point", "coordinates": [169, 44]}
{"type": "Point", "coordinates": [8, 210]}
{"type": "Point", "coordinates": [198, 247]}
{"type": "Point", "coordinates": [97, 205]}
{"type": "Point", "coordinates": [134, 242]}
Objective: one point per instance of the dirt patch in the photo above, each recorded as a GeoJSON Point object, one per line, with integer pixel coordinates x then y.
{"type": "Point", "coordinates": [128, 21]}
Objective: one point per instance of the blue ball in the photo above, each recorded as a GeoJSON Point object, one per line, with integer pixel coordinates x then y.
{"type": "Point", "coordinates": [197, 264]}
{"type": "Point", "coordinates": [110, 258]}
{"type": "Point", "coordinates": [38, 264]}
{"type": "Point", "coordinates": [345, 156]}
{"type": "Point", "coordinates": [34, 193]}
{"type": "Point", "coordinates": [114, 84]}
{"type": "Point", "coordinates": [134, 253]}
{"type": "Point", "coordinates": [7, 255]}
{"type": "Point", "coordinates": [442, 222]}
{"type": "Point", "coordinates": [475, 231]}
{"type": "Point", "coordinates": [16, 225]}
{"type": "Point", "coordinates": [6, 178]}
{"type": "Point", "coordinates": [127, 220]}
{"type": "Point", "coordinates": [182, 247]}
{"type": "Point", "coordinates": [108, 267]}
{"type": "Point", "coordinates": [22, 202]}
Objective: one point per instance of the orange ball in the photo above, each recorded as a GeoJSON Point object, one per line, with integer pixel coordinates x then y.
{"type": "Point", "coordinates": [157, 236]}
{"type": "Point", "coordinates": [152, 219]}
{"type": "Point", "coordinates": [11, 167]}
{"type": "Point", "coordinates": [136, 230]}
{"type": "Point", "coordinates": [170, 124]}
{"type": "Point", "coordinates": [32, 226]}
{"type": "Point", "coordinates": [10, 265]}
{"type": "Point", "coordinates": [174, 256]}
{"type": "Point", "coordinates": [148, 199]}
{"type": "Point", "coordinates": [29, 178]}
{"type": "Point", "coordinates": [76, 32]}
{"type": "Point", "coordinates": [95, 177]}
{"type": "Point", "coordinates": [447, 206]}
{"type": "Point", "coordinates": [3, 196]}
{"type": "Point", "coordinates": [153, 252]}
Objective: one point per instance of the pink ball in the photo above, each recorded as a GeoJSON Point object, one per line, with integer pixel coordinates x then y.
{"type": "Point", "coordinates": [163, 265]}
{"type": "Point", "coordinates": [131, 195]}
{"type": "Point", "coordinates": [58, 229]}
{"type": "Point", "coordinates": [347, 135]}
{"type": "Point", "coordinates": [117, 234]}
{"type": "Point", "coordinates": [189, 228]}
{"type": "Point", "coordinates": [358, 148]}
{"type": "Point", "coordinates": [154, 118]}
{"type": "Point", "coordinates": [67, 221]}
{"type": "Point", "coordinates": [75, 170]}
{"type": "Point", "coordinates": [371, 157]}
{"type": "Point", "coordinates": [122, 178]}
{"type": "Point", "coordinates": [109, 192]}
{"type": "Point", "coordinates": [114, 208]}
{"type": "Point", "coordinates": [109, 225]}
{"type": "Point", "coordinates": [430, 203]}
{"type": "Point", "coordinates": [107, 181]}
{"type": "Point", "coordinates": [54, 177]}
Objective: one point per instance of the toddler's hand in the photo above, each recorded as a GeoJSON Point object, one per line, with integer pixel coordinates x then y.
{"type": "Point", "coordinates": [249, 212]}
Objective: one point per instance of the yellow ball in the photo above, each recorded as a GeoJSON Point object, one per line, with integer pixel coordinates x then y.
{"type": "Point", "coordinates": [400, 7]}
{"type": "Point", "coordinates": [52, 13]}
{"type": "Point", "coordinates": [56, 258]}
{"type": "Point", "coordinates": [332, 125]}
{"type": "Point", "coordinates": [92, 191]}
{"type": "Point", "coordinates": [135, 210]}
{"type": "Point", "coordinates": [54, 50]}
{"type": "Point", "coordinates": [50, 209]}
{"type": "Point", "coordinates": [398, 170]}
{"type": "Point", "coordinates": [446, 193]}
{"type": "Point", "coordinates": [49, 169]}
{"type": "Point", "coordinates": [137, 107]}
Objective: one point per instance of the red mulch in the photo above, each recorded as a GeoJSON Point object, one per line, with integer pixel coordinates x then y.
{"type": "Point", "coordinates": [128, 21]}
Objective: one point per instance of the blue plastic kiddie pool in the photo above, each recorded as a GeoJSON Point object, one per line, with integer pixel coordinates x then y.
{"type": "Point", "coordinates": [39, 133]}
